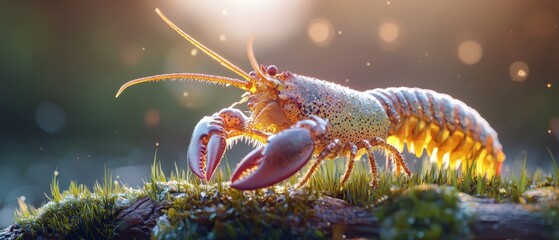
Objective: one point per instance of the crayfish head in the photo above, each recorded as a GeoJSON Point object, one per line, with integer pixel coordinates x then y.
{"type": "Point", "coordinates": [272, 103]}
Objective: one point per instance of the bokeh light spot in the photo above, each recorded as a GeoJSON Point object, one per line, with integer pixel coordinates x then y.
{"type": "Point", "coordinates": [151, 118]}
{"type": "Point", "coordinates": [320, 31]}
{"type": "Point", "coordinates": [548, 85]}
{"type": "Point", "coordinates": [519, 71]}
{"type": "Point", "coordinates": [470, 52]}
{"type": "Point", "coordinates": [194, 52]}
{"type": "Point", "coordinates": [389, 32]}
{"type": "Point", "coordinates": [50, 117]}
{"type": "Point", "coordinates": [222, 37]}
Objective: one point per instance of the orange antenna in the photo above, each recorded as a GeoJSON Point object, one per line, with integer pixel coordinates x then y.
{"type": "Point", "coordinates": [255, 65]}
{"type": "Point", "coordinates": [251, 58]}
{"type": "Point", "coordinates": [188, 76]}
{"type": "Point", "coordinates": [200, 46]}
{"type": "Point", "coordinates": [244, 85]}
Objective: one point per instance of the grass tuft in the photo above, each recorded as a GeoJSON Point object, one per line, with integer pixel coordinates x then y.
{"type": "Point", "coordinates": [76, 213]}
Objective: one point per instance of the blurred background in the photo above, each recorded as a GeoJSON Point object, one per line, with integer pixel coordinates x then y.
{"type": "Point", "coordinates": [62, 63]}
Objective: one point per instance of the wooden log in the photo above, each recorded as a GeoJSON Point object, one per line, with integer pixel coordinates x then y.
{"type": "Point", "coordinates": [335, 216]}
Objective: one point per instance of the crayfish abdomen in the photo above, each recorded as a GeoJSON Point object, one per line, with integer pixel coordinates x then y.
{"type": "Point", "coordinates": [449, 130]}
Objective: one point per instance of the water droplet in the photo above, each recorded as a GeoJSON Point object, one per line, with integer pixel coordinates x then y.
{"type": "Point", "coordinates": [157, 144]}
{"type": "Point", "coordinates": [22, 198]}
{"type": "Point", "coordinates": [55, 172]}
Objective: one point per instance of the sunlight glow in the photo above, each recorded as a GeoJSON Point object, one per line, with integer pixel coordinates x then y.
{"type": "Point", "coordinates": [272, 22]}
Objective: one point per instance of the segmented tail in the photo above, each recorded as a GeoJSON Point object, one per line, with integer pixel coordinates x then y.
{"type": "Point", "coordinates": [449, 130]}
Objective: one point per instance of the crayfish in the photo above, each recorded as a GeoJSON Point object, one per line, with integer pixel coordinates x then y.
{"type": "Point", "coordinates": [299, 118]}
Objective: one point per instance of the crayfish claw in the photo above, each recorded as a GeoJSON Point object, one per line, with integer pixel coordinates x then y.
{"type": "Point", "coordinates": [286, 153]}
{"type": "Point", "coordinates": [206, 147]}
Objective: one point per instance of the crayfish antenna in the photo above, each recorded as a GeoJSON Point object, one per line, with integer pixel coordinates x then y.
{"type": "Point", "coordinates": [205, 49]}
{"type": "Point", "coordinates": [251, 58]}
{"type": "Point", "coordinates": [244, 85]}
{"type": "Point", "coordinates": [254, 64]}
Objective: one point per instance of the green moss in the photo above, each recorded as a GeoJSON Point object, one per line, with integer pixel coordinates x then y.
{"type": "Point", "coordinates": [424, 212]}
{"type": "Point", "coordinates": [76, 213]}
{"type": "Point", "coordinates": [218, 212]}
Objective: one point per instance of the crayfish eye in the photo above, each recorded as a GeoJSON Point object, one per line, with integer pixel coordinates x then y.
{"type": "Point", "coordinates": [272, 70]}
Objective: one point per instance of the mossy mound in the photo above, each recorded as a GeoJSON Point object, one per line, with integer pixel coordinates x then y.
{"type": "Point", "coordinates": [424, 212]}
{"type": "Point", "coordinates": [223, 213]}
